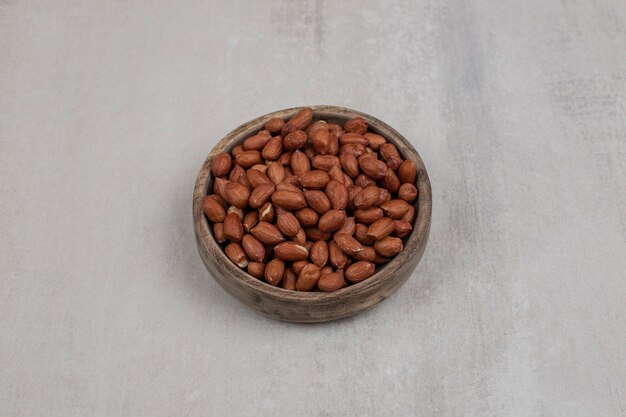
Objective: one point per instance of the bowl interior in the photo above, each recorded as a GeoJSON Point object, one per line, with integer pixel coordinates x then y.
{"type": "Point", "coordinates": [335, 114]}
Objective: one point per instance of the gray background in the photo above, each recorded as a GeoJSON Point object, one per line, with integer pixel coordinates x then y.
{"type": "Point", "coordinates": [107, 110]}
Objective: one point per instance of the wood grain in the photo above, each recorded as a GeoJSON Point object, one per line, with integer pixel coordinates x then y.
{"type": "Point", "coordinates": [311, 307]}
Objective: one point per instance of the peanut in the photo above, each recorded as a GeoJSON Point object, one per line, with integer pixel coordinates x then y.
{"type": "Point", "coordinates": [310, 205]}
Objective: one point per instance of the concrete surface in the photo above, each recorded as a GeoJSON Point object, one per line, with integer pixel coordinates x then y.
{"type": "Point", "coordinates": [108, 108]}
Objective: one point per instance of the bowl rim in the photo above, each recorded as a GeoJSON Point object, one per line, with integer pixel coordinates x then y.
{"type": "Point", "coordinates": [212, 249]}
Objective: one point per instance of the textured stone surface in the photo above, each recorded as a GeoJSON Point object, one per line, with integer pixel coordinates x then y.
{"type": "Point", "coordinates": [107, 110]}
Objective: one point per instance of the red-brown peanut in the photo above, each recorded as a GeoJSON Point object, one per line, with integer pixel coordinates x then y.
{"type": "Point", "coordinates": [309, 205]}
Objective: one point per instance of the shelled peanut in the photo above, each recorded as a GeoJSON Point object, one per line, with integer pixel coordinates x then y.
{"type": "Point", "coordinates": [311, 205]}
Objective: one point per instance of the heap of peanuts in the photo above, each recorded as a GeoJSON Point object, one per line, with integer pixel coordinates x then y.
{"type": "Point", "coordinates": [312, 205]}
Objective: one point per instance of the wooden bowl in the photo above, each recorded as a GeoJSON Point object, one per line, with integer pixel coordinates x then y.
{"type": "Point", "coordinates": [311, 307]}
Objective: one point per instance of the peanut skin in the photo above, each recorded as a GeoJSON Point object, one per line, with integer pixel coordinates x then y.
{"type": "Point", "coordinates": [311, 205]}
